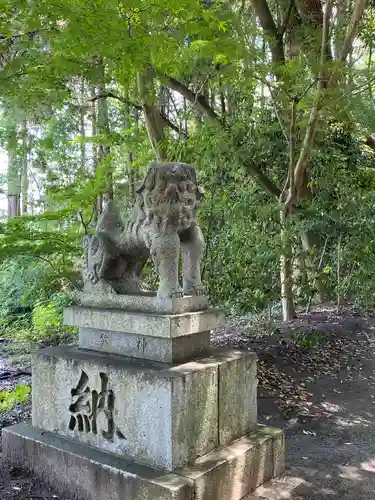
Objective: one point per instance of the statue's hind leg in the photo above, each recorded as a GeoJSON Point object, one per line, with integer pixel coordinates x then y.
{"type": "Point", "coordinates": [129, 281]}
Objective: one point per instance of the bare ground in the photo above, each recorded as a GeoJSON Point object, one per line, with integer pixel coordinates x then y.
{"type": "Point", "coordinates": [316, 381]}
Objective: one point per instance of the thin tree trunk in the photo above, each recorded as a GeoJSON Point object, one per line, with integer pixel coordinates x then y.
{"type": "Point", "coordinates": [369, 65]}
{"type": "Point", "coordinates": [339, 273]}
{"type": "Point", "coordinates": [185, 124]}
{"type": "Point", "coordinates": [286, 259]}
{"type": "Point", "coordinates": [286, 269]}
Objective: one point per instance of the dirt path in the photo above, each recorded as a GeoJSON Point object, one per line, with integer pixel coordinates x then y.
{"type": "Point", "coordinates": [331, 454]}
{"type": "Point", "coordinates": [330, 426]}
{"type": "Point", "coordinates": [317, 381]}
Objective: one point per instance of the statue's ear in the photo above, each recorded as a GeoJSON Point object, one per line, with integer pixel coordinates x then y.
{"type": "Point", "coordinates": [149, 179]}
{"type": "Point", "coordinates": [192, 175]}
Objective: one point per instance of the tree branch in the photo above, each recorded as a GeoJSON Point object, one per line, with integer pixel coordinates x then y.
{"type": "Point", "coordinates": [173, 126]}
{"type": "Point", "coordinates": [315, 112]}
{"type": "Point", "coordinates": [103, 95]}
{"type": "Point", "coordinates": [13, 38]}
{"type": "Point", "coordinates": [270, 29]}
{"type": "Point", "coordinates": [165, 120]}
{"type": "Point", "coordinates": [286, 19]}
{"type": "Point", "coordinates": [195, 98]}
{"type": "Point", "coordinates": [202, 104]}
{"type": "Point", "coordinates": [277, 113]}
{"type": "Point", "coordinates": [352, 29]}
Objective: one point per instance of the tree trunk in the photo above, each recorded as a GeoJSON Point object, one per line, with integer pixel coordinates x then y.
{"type": "Point", "coordinates": [154, 123]}
{"type": "Point", "coordinates": [300, 276]}
{"type": "Point", "coordinates": [103, 130]}
{"type": "Point", "coordinates": [82, 128]}
{"type": "Point", "coordinates": [13, 176]}
{"type": "Point", "coordinates": [312, 244]}
{"type": "Point", "coordinates": [25, 169]}
{"type": "Point", "coordinates": [98, 202]}
{"type": "Point", "coordinates": [129, 173]}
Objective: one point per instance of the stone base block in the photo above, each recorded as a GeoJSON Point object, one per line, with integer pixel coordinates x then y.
{"type": "Point", "coordinates": [160, 415]}
{"type": "Point", "coordinates": [164, 350]}
{"type": "Point", "coordinates": [84, 473]}
{"type": "Point", "coordinates": [145, 302]}
{"type": "Point", "coordinates": [150, 324]}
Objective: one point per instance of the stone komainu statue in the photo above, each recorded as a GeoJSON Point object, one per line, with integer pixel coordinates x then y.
{"type": "Point", "coordinates": [162, 221]}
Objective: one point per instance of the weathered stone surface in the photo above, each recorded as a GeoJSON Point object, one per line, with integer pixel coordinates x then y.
{"type": "Point", "coordinates": [146, 302]}
{"type": "Point", "coordinates": [164, 350]}
{"type": "Point", "coordinates": [227, 473]}
{"type": "Point", "coordinates": [152, 325]}
{"type": "Point", "coordinates": [85, 473]}
{"type": "Point", "coordinates": [278, 450]}
{"type": "Point", "coordinates": [237, 395]}
{"type": "Point", "coordinates": [161, 223]}
{"type": "Point", "coordinates": [230, 473]}
{"type": "Point", "coordinates": [161, 416]}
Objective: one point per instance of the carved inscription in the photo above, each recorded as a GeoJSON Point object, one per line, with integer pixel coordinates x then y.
{"type": "Point", "coordinates": [87, 405]}
{"type": "Point", "coordinates": [142, 345]}
{"type": "Point", "coordinates": [103, 339]}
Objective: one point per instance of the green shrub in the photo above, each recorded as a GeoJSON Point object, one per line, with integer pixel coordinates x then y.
{"type": "Point", "coordinates": [10, 398]}
{"type": "Point", "coordinates": [47, 317]}
{"type": "Point", "coordinates": [17, 277]}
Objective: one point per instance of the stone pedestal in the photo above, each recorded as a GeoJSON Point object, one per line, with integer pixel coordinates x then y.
{"type": "Point", "coordinates": [144, 409]}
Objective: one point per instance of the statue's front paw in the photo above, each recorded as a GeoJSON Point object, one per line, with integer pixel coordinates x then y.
{"type": "Point", "coordinates": [196, 290]}
{"type": "Point", "coordinates": [175, 292]}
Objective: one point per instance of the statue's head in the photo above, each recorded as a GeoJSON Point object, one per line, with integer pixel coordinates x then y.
{"type": "Point", "coordinates": [171, 191]}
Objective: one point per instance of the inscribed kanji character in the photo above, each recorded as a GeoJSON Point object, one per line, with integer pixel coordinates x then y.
{"type": "Point", "coordinates": [89, 404]}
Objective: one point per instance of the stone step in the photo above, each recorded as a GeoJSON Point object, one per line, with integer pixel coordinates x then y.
{"type": "Point", "coordinates": [85, 473]}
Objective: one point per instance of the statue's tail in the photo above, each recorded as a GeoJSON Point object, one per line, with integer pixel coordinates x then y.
{"type": "Point", "coordinates": [86, 246]}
